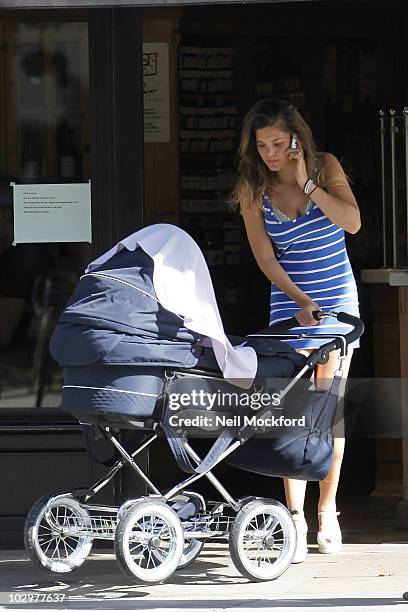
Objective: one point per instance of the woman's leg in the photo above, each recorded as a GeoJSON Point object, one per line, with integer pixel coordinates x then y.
{"type": "Point", "coordinates": [329, 536]}
{"type": "Point", "coordinates": [295, 490]}
{"type": "Point", "coordinates": [295, 496]}
{"type": "Point", "coordinates": [324, 375]}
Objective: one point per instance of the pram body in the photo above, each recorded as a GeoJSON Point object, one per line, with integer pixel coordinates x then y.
{"type": "Point", "coordinates": [122, 342]}
{"type": "Point", "coordinates": [122, 355]}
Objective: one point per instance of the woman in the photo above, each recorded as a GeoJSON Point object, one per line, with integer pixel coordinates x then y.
{"type": "Point", "coordinates": [296, 205]}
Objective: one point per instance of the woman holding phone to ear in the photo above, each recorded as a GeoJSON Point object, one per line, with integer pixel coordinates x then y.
{"type": "Point", "coordinates": [297, 204]}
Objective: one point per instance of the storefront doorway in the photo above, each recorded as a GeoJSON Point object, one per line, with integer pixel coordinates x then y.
{"type": "Point", "coordinates": [339, 69]}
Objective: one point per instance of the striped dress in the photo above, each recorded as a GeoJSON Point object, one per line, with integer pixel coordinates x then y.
{"type": "Point", "coordinates": [312, 250]}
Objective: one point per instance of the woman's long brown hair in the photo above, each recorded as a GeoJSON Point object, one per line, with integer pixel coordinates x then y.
{"type": "Point", "coordinates": [254, 177]}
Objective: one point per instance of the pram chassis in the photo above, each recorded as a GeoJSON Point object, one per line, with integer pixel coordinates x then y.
{"type": "Point", "coordinates": [60, 528]}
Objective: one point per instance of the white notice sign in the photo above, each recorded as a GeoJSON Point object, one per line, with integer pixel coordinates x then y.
{"type": "Point", "coordinates": [156, 92]}
{"type": "Point", "coordinates": [52, 213]}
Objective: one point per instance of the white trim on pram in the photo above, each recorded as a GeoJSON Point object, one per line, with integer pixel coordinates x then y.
{"type": "Point", "coordinates": [128, 284]}
{"type": "Point", "coordinates": [108, 389]}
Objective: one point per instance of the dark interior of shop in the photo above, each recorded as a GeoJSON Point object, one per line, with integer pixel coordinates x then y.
{"type": "Point", "coordinates": [339, 67]}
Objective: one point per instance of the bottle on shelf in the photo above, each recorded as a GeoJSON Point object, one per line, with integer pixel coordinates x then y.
{"type": "Point", "coordinates": [68, 154]}
{"type": "Point", "coordinates": [32, 163]}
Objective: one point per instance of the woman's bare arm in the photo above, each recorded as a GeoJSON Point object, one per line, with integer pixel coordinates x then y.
{"type": "Point", "coordinates": [262, 249]}
{"type": "Point", "coordinates": [337, 201]}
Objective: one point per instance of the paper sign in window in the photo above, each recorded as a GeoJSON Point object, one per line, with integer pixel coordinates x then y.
{"type": "Point", "coordinates": [52, 213]}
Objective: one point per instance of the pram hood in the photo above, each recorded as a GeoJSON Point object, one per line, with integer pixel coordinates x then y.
{"type": "Point", "coordinates": [183, 286]}
{"type": "Point", "coordinates": [164, 299]}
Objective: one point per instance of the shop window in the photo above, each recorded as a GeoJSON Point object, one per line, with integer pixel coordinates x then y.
{"type": "Point", "coordinates": [46, 90]}
{"type": "Point", "coordinates": [45, 127]}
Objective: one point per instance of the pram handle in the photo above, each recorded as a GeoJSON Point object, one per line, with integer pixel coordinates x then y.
{"type": "Point", "coordinates": [287, 324]}
{"type": "Point", "coordinates": [357, 323]}
{"type": "Point", "coordinates": [321, 355]}
{"type": "Point", "coordinates": [342, 317]}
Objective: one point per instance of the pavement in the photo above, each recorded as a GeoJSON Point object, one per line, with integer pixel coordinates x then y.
{"type": "Point", "coordinates": [370, 574]}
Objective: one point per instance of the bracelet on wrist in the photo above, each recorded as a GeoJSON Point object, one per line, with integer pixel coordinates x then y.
{"type": "Point", "coordinates": [307, 186]}
{"type": "Point", "coordinates": [314, 189]}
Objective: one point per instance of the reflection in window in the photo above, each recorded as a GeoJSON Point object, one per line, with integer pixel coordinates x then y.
{"type": "Point", "coordinates": [30, 68]}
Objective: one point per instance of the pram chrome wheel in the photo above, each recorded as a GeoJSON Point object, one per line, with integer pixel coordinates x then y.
{"type": "Point", "coordinates": [262, 540]}
{"type": "Point", "coordinates": [192, 547]}
{"type": "Point", "coordinates": [57, 550]}
{"type": "Point", "coordinates": [149, 541]}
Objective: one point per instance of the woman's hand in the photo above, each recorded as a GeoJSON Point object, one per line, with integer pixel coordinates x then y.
{"type": "Point", "coordinates": [305, 314]}
{"type": "Point", "coordinates": [301, 169]}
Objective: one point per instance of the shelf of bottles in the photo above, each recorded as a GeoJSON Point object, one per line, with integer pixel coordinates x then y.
{"type": "Point", "coordinates": [278, 77]}
{"type": "Point", "coordinates": [35, 163]}
{"type": "Point", "coordinates": [352, 83]}
{"type": "Point", "coordinates": [208, 144]}
{"type": "Point", "coordinates": [286, 88]}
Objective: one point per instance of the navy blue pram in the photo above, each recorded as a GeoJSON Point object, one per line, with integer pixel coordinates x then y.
{"type": "Point", "coordinates": [123, 357]}
{"type": "Point", "coordinates": [114, 319]}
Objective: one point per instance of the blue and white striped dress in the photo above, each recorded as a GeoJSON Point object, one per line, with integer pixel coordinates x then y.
{"type": "Point", "coordinates": [312, 250]}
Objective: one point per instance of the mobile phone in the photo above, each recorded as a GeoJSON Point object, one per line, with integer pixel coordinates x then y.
{"type": "Point", "coordinates": [293, 142]}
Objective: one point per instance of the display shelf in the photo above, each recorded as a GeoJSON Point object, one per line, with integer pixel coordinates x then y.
{"type": "Point", "coordinates": [220, 96]}
{"type": "Point", "coordinates": [208, 145]}
{"type": "Point", "coordinates": [205, 58]}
